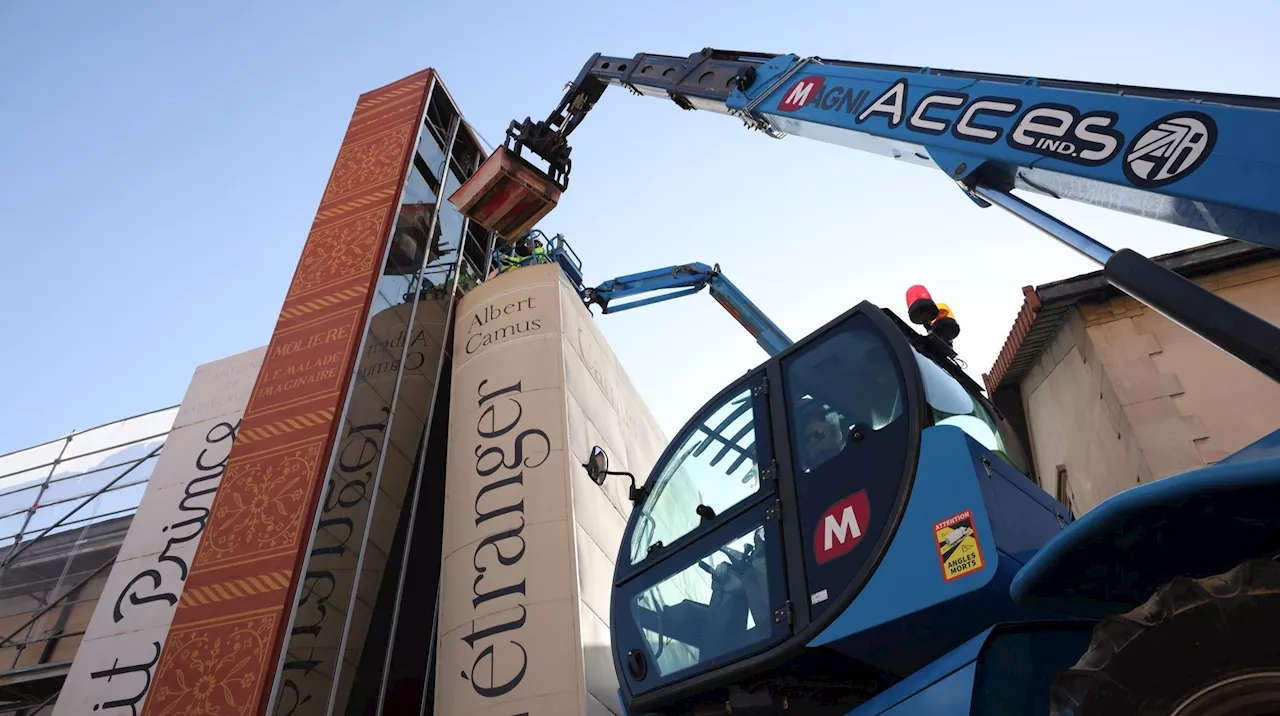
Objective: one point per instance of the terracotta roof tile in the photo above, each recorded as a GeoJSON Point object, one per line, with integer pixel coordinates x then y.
{"type": "Point", "coordinates": [1046, 308]}
{"type": "Point", "coordinates": [1021, 327]}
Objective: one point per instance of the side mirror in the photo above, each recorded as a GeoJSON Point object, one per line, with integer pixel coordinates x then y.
{"type": "Point", "coordinates": [597, 465]}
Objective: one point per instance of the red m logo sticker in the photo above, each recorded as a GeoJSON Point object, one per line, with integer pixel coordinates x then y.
{"type": "Point", "coordinates": [800, 94]}
{"type": "Point", "coordinates": [841, 528]}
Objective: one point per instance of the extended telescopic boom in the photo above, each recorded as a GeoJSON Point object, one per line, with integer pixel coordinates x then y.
{"type": "Point", "coordinates": [1206, 161]}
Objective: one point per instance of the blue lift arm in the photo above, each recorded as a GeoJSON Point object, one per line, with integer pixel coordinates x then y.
{"type": "Point", "coordinates": [690, 279]}
{"type": "Point", "coordinates": [1207, 161]}
{"type": "Point", "coordinates": [1203, 160]}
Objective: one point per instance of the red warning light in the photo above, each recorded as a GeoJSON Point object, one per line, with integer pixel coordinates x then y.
{"type": "Point", "coordinates": [920, 306]}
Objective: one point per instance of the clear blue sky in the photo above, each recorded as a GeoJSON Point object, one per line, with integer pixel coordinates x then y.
{"type": "Point", "coordinates": [162, 163]}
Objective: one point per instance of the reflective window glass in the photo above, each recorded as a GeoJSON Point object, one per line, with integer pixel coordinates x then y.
{"type": "Point", "coordinates": [951, 404]}
{"type": "Point", "coordinates": [848, 380]}
{"type": "Point", "coordinates": [336, 651]}
{"type": "Point", "coordinates": [718, 605]}
{"type": "Point", "coordinates": [420, 186]}
{"type": "Point", "coordinates": [713, 469]}
{"type": "Point", "coordinates": [850, 434]}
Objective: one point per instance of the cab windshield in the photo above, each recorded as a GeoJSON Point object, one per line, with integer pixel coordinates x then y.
{"type": "Point", "coordinates": [693, 603]}
{"type": "Point", "coordinates": [951, 404]}
{"type": "Point", "coordinates": [713, 469]}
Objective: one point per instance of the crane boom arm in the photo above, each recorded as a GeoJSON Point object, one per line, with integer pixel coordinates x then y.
{"type": "Point", "coordinates": [1207, 161]}
{"type": "Point", "coordinates": [688, 279]}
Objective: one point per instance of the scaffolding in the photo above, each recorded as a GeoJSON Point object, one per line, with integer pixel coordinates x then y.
{"type": "Point", "coordinates": [65, 507]}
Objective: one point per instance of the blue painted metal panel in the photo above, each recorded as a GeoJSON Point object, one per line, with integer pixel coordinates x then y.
{"type": "Point", "coordinates": [767, 333]}
{"type": "Point", "coordinates": [695, 274]}
{"type": "Point", "coordinates": [690, 279]}
{"type": "Point", "coordinates": [909, 643]}
{"type": "Point", "coordinates": [910, 576]}
{"type": "Point", "coordinates": [953, 696]}
{"type": "Point", "coordinates": [1007, 669]}
{"type": "Point", "coordinates": [1019, 662]}
{"type": "Point", "coordinates": [1024, 517]}
{"type": "Point", "coordinates": [908, 593]}
{"type": "Point", "coordinates": [950, 663]}
{"type": "Point", "coordinates": [1220, 173]}
{"type": "Point", "coordinates": [1199, 523]}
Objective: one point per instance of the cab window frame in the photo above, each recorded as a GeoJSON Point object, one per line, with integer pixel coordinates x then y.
{"type": "Point", "coordinates": [625, 570]}
{"type": "Point", "coordinates": [802, 628]}
{"type": "Point", "coordinates": [630, 580]}
{"type": "Point", "coordinates": [898, 338]}
{"type": "Point", "coordinates": [628, 634]}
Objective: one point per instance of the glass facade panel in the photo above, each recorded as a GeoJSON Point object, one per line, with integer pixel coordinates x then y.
{"type": "Point", "coordinates": [420, 187]}
{"type": "Point", "coordinates": [70, 486]}
{"type": "Point", "coordinates": [65, 508]}
{"type": "Point", "coordinates": [89, 477]}
{"type": "Point", "coordinates": [362, 562]}
{"type": "Point", "coordinates": [392, 671]}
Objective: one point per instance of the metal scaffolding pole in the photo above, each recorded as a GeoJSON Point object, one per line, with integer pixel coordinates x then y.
{"type": "Point", "coordinates": [20, 548]}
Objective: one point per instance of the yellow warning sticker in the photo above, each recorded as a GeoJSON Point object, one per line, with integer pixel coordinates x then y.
{"type": "Point", "coordinates": [958, 549]}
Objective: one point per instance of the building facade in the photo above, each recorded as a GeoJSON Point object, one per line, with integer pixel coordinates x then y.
{"type": "Point", "coordinates": [1109, 394]}
{"type": "Point", "coordinates": [300, 572]}
{"type": "Point", "coordinates": [138, 598]}
{"type": "Point", "coordinates": [529, 540]}
{"type": "Point", "coordinates": [320, 526]}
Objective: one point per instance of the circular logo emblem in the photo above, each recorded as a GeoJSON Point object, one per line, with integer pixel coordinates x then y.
{"type": "Point", "coordinates": [1169, 149]}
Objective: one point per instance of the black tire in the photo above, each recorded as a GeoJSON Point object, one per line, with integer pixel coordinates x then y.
{"type": "Point", "coordinates": [1198, 647]}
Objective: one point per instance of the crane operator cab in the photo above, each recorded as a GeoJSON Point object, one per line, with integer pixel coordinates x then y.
{"type": "Point", "coordinates": [770, 511]}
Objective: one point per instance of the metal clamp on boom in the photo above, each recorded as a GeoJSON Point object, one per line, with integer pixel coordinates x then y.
{"type": "Point", "coordinates": [703, 80]}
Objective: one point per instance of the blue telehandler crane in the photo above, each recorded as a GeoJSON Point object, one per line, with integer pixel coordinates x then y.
{"type": "Point", "coordinates": [849, 528]}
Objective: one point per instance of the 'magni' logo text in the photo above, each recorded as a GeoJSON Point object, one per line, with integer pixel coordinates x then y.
{"type": "Point", "coordinates": [800, 94]}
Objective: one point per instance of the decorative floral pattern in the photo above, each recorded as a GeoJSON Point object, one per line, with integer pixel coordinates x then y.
{"type": "Point", "coordinates": [214, 670]}
{"type": "Point", "coordinates": [344, 251]}
{"type": "Point", "coordinates": [260, 505]}
{"type": "Point", "coordinates": [219, 657]}
{"type": "Point", "coordinates": [362, 164]}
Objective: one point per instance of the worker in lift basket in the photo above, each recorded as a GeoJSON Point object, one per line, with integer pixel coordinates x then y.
{"type": "Point", "coordinates": [539, 252]}
{"type": "Point", "coordinates": [518, 254]}
{"type": "Point", "coordinates": [511, 257]}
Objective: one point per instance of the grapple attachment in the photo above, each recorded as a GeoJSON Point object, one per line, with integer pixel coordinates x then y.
{"type": "Point", "coordinates": [507, 195]}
